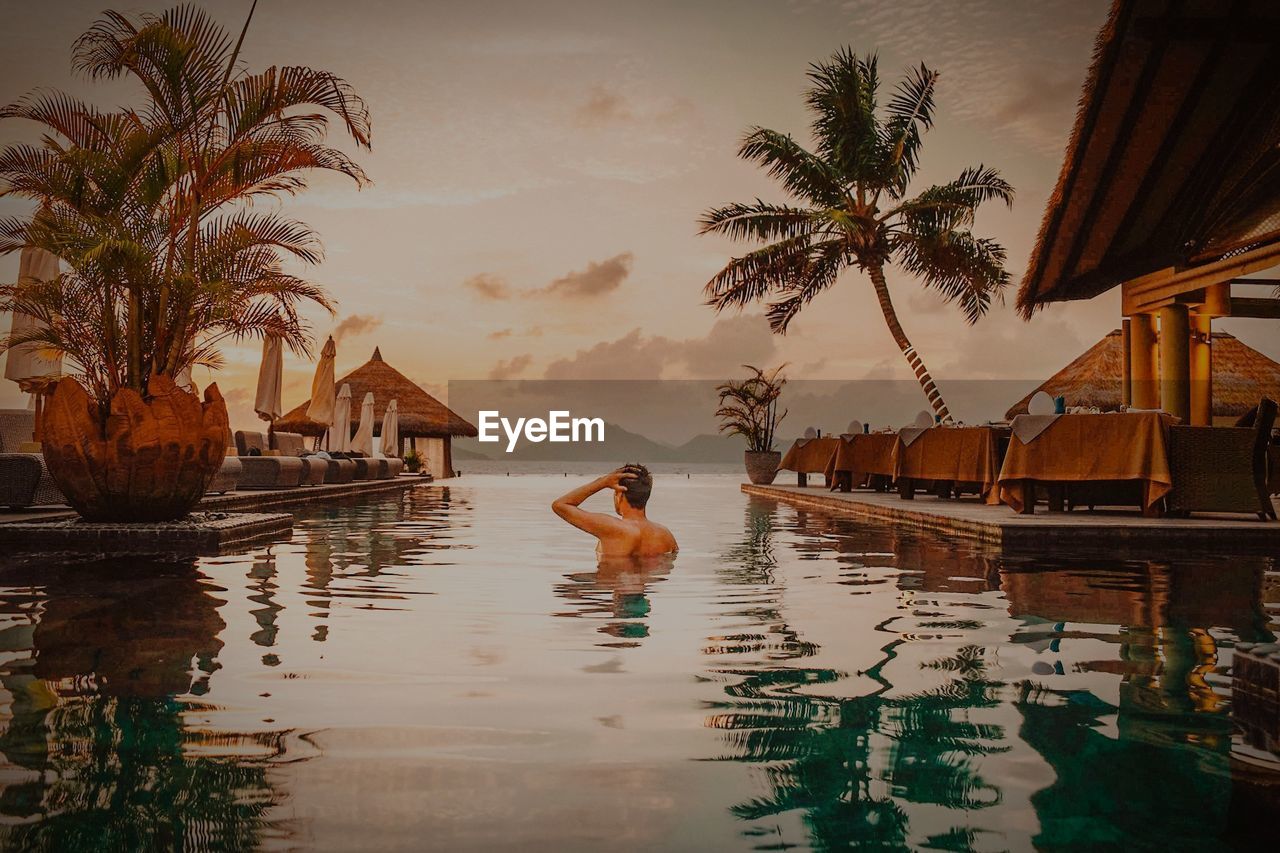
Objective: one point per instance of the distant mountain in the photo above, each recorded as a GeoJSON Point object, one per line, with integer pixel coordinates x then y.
{"type": "Point", "coordinates": [711, 447]}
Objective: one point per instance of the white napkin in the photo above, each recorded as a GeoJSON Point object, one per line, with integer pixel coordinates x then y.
{"type": "Point", "coordinates": [910, 434]}
{"type": "Point", "coordinates": [1028, 427]}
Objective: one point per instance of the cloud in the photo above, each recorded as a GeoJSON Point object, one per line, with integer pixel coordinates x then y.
{"type": "Point", "coordinates": [488, 286]}
{"type": "Point", "coordinates": [511, 367]}
{"type": "Point", "coordinates": [599, 277]}
{"type": "Point", "coordinates": [731, 342]}
{"type": "Point", "coordinates": [356, 324]}
{"type": "Point", "coordinates": [602, 107]}
{"type": "Point", "coordinates": [530, 332]}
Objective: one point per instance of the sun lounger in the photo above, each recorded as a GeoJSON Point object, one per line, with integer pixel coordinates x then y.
{"type": "Point", "coordinates": [228, 476]}
{"type": "Point", "coordinates": [266, 472]}
{"type": "Point", "coordinates": [292, 444]}
{"type": "Point", "coordinates": [321, 467]}
{"type": "Point", "coordinates": [24, 479]}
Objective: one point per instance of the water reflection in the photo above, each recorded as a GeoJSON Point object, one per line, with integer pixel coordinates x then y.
{"type": "Point", "coordinates": [1112, 672]}
{"type": "Point", "coordinates": [98, 755]}
{"type": "Point", "coordinates": [617, 592]}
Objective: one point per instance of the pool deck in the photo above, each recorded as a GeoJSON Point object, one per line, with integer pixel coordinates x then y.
{"type": "Point", "coordinates": [249, 500]}
{"type": "Point", "coordinates": [1001, 526]}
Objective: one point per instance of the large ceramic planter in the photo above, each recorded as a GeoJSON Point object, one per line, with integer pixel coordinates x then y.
{"type": "Point", "coordinates": [762, 466]}
{"type": "Point", "coordinates": [151, 461]}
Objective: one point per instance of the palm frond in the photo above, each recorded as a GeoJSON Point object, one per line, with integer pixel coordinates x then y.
{"type": "Point", "coordinates": [965, 270]}
{"type": "Point", "coordinates": [843, 101]}
{"type": "Point", "coordinates": [758, 221]}
{"type": "Point", "coordinates": [804, 175]}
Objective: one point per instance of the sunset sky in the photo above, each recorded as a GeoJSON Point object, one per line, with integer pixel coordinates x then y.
{"type": "Point", "coordinates": [539, 169]}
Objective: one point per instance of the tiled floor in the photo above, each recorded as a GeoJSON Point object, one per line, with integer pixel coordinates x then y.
{"type": "Point", "coordinates": [1000, 524]}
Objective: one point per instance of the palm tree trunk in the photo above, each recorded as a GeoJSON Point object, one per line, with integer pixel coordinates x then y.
{"type": "Point", "coordinates": [900, 337]}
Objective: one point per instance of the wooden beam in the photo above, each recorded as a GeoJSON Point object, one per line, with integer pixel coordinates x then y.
{"type": "Point", "coordinates": [1266, 309]}
{"type": "Point", "coordinates": [1271, 282]}
{"type": "Point", "coordinates": [1149, 293]}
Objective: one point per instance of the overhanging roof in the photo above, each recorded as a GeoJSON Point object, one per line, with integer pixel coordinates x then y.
{"type": "Point", "coordinates": [1174, 160]}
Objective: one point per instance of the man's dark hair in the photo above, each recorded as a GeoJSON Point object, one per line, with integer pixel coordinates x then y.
{"type": "Point", "coordinates": [639, 486]}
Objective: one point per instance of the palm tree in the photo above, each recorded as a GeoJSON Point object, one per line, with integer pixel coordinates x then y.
{"type": "Point", "coordinates": [850, 208]}
{"type": "Point", "coordinates": [148, 206]}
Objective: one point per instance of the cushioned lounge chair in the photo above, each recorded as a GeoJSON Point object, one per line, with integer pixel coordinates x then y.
{"type": "Point", "coordinates": [228, 476]}
{"type": "Point", "coordinates": [292, 444]}
{"type": "Point", "coordinates": [266, 472]}
{"type": "Point", "coordinates": [24, 479]}
{"type": "Point", "coordinates": [1222, 469]}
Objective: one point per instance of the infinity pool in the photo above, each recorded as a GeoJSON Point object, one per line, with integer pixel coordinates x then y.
{"type": "Point", "coordinates": [447, 669]}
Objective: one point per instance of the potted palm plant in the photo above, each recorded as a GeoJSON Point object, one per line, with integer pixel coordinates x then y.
{"type": "Point", "coordinates": [149, 209]}
{"type": "Point", "coordinates": [749, 408]}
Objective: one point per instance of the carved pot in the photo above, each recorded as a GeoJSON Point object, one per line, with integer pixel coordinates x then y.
{"type": "Point", "coordinates": [762, 466]}
{"type": "Point", "coordinates": [151, 461]}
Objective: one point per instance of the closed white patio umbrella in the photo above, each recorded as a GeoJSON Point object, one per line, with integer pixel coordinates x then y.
{"type": "Point", "coordinates": [362, 441]}
{"type": "Point", "coordinates": [270, 379]}
{"type": "Point", "coordinates": [340, 432]}
{"type": "Point", "coordinates": [29, 364]}
{"type": "Point", "coordinates": [29, 361]}
{"type": "Point", "coordinates": [390, 444]}
{"type": "Point", "coordinates": [324, 395]}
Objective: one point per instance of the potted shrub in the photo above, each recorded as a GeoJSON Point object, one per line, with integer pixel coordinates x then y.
{"type": "Point", "coordinates": [749, 408]}
{"type": "Point", "coordinates": [412, 461]}
{"type": "Point", "coordinates": [148, 209]}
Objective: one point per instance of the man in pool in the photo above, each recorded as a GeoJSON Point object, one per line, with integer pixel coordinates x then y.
{"type": "Point", "coordinates": [630, 533]}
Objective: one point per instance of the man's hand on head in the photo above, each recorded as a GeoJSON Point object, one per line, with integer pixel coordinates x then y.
{"type": "Point", "coordinates": [617, 480]}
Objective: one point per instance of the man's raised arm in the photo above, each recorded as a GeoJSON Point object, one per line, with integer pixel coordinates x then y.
{"type": "Point", "coordinates": [596, 523]}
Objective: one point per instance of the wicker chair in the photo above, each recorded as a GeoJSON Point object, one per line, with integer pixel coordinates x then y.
{"type": "Point", "coordinates": [1222, 469]}
{"type": "Point", "coordinates": [24, 479]}
{"type": "Point", "coordinates": [292, 444]}
{"type": "Point", "coordinates": [266, 472]}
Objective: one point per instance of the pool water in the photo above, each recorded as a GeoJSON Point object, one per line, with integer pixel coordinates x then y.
{"type": "Point", "coordinates": [447, 669]}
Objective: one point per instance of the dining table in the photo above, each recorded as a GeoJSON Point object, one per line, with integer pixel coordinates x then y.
{"type": "Point", "coordinates": [809, 456]}
{"type": "Point", "coordinates": [863, 459]}
{"type": "Point", "coordinates": [950, 459]}
{"type": "Point", "coordinates": [1080, 457]}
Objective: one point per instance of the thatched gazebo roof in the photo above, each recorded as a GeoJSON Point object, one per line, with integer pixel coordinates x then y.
{"type": "Point", "coordinates": [421, 415]}
{"type": "Point", "coordinates": [1174, 159]}
{"type": "Point", "coordinates": [1241, 376]}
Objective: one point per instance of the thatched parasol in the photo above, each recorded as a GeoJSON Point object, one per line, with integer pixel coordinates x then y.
{"type": "Point", "coordinates": [420, 414]}
{"type": "Point", "coordinates": [1241, 376]}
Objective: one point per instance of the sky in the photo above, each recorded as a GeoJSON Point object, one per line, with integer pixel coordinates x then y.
{"type": "Point", "coordinates": [539, 168]}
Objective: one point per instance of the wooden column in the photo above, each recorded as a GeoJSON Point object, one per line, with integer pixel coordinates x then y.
{"type": "Point", "coordinates": [1175, 361]}
{"type": "Point", "coordinates": [1144, 392]}
{"type": "Point", "coordinates": [1126, 368]}
{"type": "Point", "coordinates": [1201, 370]}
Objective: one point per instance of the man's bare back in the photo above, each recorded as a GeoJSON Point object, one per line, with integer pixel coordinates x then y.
{"type": "Point", "coordinates": [628, 534]}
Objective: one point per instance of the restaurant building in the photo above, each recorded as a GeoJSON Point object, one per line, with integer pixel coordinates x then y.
{"type": "Point", "coordinates": [1170, 190]}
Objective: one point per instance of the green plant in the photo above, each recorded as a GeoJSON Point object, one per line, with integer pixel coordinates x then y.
{"type": "Point", "coordinates": [149, 206]}
{"type": "Point", "coordinates": [749, 407]}
{"type": "Point", "coordinates": [412, 461]}
{"type": "Point", "coordinates": [853, 209]}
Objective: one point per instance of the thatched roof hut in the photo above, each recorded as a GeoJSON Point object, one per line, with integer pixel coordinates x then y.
{"type": "Point", "coordinates": [421, 415]}
{"type": "Point", "coordinates": [1172, 162]}
{"type": "Point", "coordinates": [1241, 376]}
